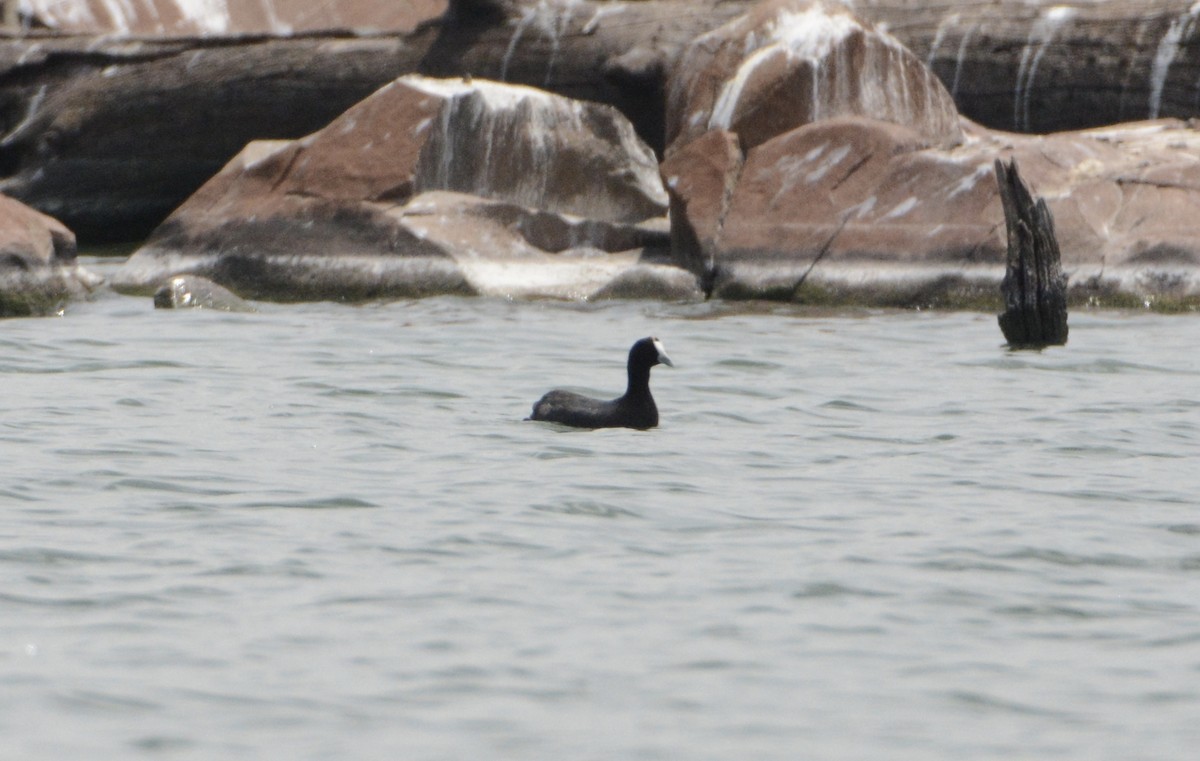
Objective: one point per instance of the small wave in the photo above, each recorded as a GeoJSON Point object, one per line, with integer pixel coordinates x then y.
{"type": "Point", "coordinates": [718, 664]}
{"type": "Point", "coordinates": [185, 486]}
{"type": "Point", "coordinates": [591, 508]}
{"type": "Point", "coordinates": [691, 417]}
{"type": "Point", "coordinates": [748, 364]}
{"type": "Point", "coordinates": [558, 453]}
{"type": "Point", "coordinates": [1187, 529]}
{"type": "Point", "coordinates": [831, 589]}
{"type": "Point", "coordinates": [286, 569]}
{"type": "Point", "coordinates": [110, 451]}
{"type": "Point", "coordinates": [319, 503]}
{"type": "Point", "coordinates": [984, 702]}
{"type": "Point", "coordinates": [1070, 559]}
{"type": "Point", "coordinates": [106, 701]}
{"type": "Point", "coordinates": [959, 565]}
{"type": "Point", "coordinates": [845, 404]}
{"type": "Point", "coordinates": [162, 744]}
{"type": "Point", "coordinates": [46, 556]}
{"type": "Point", "coordinates": [738, 390]}
{"type": "Point", "coordinates": [1049, 611]}
{"type": "Point", "coordinates": [103, 602]}
{"type": "Point", "coordinates": [7, 494]}
{"type": "Point", "coordinates": [84, 368]}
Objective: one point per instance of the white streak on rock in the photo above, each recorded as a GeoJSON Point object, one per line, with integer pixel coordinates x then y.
{"type": "Point", "coordinates": [496, 94]}
{"type": "Point", "coordinates": [551, 19]}
{"type": "Point", "coordinates": [968, 183]}
{"type": "Point", "coordinates": [938, 37]}
{"type": "Point", "coordinates": [594, 22]}
{"type": "Point", "coordinates": [481, 119]}
{"type": "Point", "coordinates": [962, 55]}
{"type": "Point", "coordinates": [123, 16]}
{"type": "Point", "coordinates": [1041, 34]}
{"type": "Point", "coordinates": [861, 210]}
{"type": "Point", "coordinates": [809, 35]}
{"type": "Point", "coordinates": [30, 112]}
{"type": "Point", "coordinates": [832, 160]}
{"type": "Point", "coordinates": [1168, 48]}
{"type": "Point", "coordinates": [210, 16]}
{"type": "Point", "coordinates": [902, 208]}
{"type": "Point", "coordinates": [526, 20]}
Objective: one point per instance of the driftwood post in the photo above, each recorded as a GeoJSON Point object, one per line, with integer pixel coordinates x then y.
{"type": "Point", "coordinates": [1034, 288]}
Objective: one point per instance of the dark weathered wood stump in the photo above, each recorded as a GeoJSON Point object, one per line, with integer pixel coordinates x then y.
{"type": "Point", "coordinates": [1034, 287]}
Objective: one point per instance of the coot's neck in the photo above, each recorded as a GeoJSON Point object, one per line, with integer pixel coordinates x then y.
{"type": "Point", "coordinates": [639, 382]}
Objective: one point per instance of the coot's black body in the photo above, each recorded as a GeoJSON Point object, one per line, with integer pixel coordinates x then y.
{"type": "Point", "coordinates": [635, 409]}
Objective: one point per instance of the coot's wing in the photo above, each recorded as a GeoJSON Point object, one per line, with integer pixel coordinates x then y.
{"type": "Point", "coordinates": [570, 408]}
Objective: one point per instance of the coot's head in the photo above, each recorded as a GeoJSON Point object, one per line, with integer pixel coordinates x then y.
{"type": "Point", "coordinates": [647, 353]}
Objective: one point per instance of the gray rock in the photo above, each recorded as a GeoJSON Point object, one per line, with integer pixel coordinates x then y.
{"type": "Point", "coordinates": [195, 292]}
{"type": "Point", "coordinates": [39, 271]}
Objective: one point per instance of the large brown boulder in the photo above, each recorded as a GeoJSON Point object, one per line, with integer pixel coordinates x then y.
{"type": "Point", "coordinates": [786, 63]}
{"type": "Point", "coordinates": [868, 211]}
{"type": "Point", "coordinates": [779, 191]}
{"type": "Point", "coordinates": [177, 17]}
{"type": "Point", "coordinates": [38, 268]}
{"type": "Point", "coordinates": [428, 186]}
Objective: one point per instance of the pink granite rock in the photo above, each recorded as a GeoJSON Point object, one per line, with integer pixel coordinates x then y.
{"type": "Point", "coordinates": [813, 158]}
{"type": "Point", "coordinates": [428, 186]}
{"type": "Point", "coordinates": [855, 204]}
{"type": "Point", "coordinates": [787, 63]}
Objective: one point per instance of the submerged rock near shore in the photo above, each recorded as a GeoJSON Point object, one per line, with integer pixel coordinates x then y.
{"type": "Point", "coordinates": [39, 271]}
{"type": "Point", "coordinates": [429, 186]}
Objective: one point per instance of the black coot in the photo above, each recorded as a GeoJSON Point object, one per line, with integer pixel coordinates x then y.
{"type": "Point", "coordinates": [635, 409]}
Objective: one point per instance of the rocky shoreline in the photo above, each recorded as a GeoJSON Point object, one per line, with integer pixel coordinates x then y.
{"type": "Point", "coordinates": [786, 149]}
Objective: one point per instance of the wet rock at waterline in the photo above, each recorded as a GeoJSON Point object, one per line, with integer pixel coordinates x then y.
{"type": "Point", "coordinates": [860, 210]}
{"type": "Point", "coordinates": [787, 63]}
{"type": "Point", "coordinates": [38, 268]}
{"type": "Point", "coordinates": [195, 292]}
{"type": "Point", "coordinates": [427, 187]}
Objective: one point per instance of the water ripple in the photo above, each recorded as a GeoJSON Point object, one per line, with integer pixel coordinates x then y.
{"type": "Point", "coordinates": [985, 702]}
{"type": "Point", "coordinates": [104, 601]}
{"type": "Point", "coordinates": [1071, 559]}
{"type": "Point", "coordinates": [591, 508]}
{"type": "Point", "coordinates": [317, 503]}
{"type": "Point", "coordinates": [831, 589]}
{"type": "Point", "coordinates": [881, 526]}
